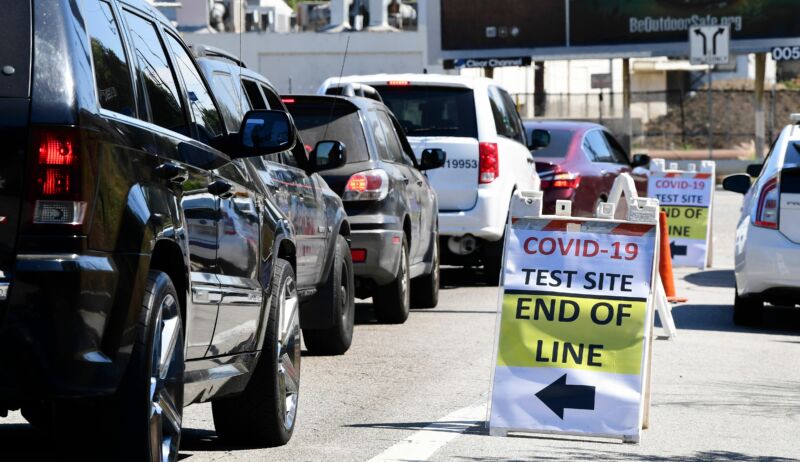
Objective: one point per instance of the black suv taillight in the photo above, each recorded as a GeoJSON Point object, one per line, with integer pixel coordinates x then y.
{"type": "Point", "coordinates": [54, 184]}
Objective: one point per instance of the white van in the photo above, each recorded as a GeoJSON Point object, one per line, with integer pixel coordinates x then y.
{"type": "Point", "coordinates": [476, 122]}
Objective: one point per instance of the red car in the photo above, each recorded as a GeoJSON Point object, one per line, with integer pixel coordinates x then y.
{"type": "Point", "coordinates": [579, 161]}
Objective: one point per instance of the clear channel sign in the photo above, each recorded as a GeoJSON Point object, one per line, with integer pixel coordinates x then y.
{"type": "Point", "coordinates": [575, 319]}
{"type": "Point", "coordinates": [687, 199]}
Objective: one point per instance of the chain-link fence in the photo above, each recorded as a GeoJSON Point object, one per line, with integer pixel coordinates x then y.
{"type": "Point", "coordinates": [674, 120]}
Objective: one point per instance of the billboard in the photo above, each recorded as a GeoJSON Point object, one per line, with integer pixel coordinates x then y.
{"type": "Point", "coordinates": [572, 28]}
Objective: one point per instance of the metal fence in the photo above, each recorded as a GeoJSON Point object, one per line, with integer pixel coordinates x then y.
{"type": "Point", "coordinates": [674, 120]}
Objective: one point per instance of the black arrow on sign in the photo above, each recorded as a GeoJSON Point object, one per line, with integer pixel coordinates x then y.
{"type": "Point", "coordinates": [705, 46]}
{"type": "Point", "coordinates": [678, 250]}
{"type": "Point", "coordinates": [559, 396]}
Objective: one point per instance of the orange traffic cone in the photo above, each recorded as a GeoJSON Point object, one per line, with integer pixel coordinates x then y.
{"type": "Point", "coordinates": [665, 264]}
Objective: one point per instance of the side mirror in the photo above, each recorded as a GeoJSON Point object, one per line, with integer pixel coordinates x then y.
{"type": "Point", "coordinates": [539, 139]}
{"type": "Point", "coordinates": [327, 155]}
{"type": "Point", "coordinates": [738, 183]}
{"type": "Point", "coordinates": [432, 158]}
{"type": "Point", "coordinates": [640, 160]}
{"type": "Point", "coordinates": [266, 132]}
{"type": "Point", "coordinates": [754, 170]}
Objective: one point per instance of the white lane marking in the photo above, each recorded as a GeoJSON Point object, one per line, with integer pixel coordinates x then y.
{"type": "Point", "coordinates": [421, 445]}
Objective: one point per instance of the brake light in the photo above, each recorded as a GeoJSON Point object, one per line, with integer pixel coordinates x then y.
{"type": "Point", "coordinates": [287, 100]}
{"type": "Point", "coordinates": [55, 181]}
{"type": "Point", "coordinates": [561, 180]}
{"type": "Point", "coordinates": [489, 163]}
{"type": "Point", "coordinates": [398, 83]}
{"type": "Point", "coordinates": [371, 185]}
{"type": "Point", "coordinates": [767, 205]}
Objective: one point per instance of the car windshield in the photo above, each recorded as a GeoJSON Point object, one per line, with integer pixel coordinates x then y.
{"type": "Point", "coordinates": [322, 121]}
{"type": "Point", "coordinates": [559, 144]}
{"type": "Point", "coordinates": [432, 111]}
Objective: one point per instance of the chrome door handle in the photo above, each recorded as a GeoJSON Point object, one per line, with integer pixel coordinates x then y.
{"type": "Point", "coordinates": [221, 189]}
{"type": "Point", "coordinates": [172, 172]}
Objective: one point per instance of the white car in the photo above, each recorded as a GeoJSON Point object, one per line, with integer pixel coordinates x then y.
{"type": "Point", "coordinates": [768, 234]}
{"type": "Point", "coordinates": [476, 123]}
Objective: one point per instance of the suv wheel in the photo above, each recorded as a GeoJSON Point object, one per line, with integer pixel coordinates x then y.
{"type": "Point", "coordinates": [337, 294]}
{"type": "Point", "coordinates": [151, 396]}
{"type": "Point", "coordinates": [264, 413]}
{"type": "Point", "coordinates": [425, 289]}
{"type": "Point", "coordinates": [392, 301]}
{"type": "Point", "coordinates": [747, 311]}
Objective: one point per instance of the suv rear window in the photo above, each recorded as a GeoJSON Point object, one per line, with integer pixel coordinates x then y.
{"type": "Point", "coordinates": [559, 144]}
{"type": "Point", "coordinates": [432, 111]}
{"type": "Point", "coordinates": [317, 122]}
{"type": "Point", "coordinates": [112, 74]}
{"type": "Point", "coordinates": [15, 36]}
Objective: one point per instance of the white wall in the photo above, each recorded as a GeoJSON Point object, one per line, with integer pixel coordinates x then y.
{"type": "Point", "coordinates": [309, 58]}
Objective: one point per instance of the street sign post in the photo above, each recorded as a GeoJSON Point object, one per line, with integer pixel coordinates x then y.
{"type": "Point", "coordinates": [687, 196]}
{"type": "Point", "coordinates": [576, 317]}
{"type": "Point", "coordinates": [710, 44]}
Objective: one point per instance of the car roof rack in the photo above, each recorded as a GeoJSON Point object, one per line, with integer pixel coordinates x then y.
{"type": "Point", "coordinates": [205, 51]}
{"type": "Point", "coordinates": [355, 89]}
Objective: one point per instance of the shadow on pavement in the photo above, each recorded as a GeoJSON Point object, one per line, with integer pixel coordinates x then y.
{"type": "Point", "coordinates": [467, 427]}
{"type": "Point", "coordinates": [23, 442]}
{"type": "Point", "coordinates": [453, 277]}
{"type": "Point", "coordinates": [701, 456]}
{"type": "Point", "coordinates": [713, 278]}
{"type": "Point", "coordinates": [720, 318]}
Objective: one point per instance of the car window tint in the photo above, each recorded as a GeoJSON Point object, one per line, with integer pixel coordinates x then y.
{"type": "Point", "coordinates": [427, 110]}
{"type": "Point", "coordinates": [166, 108]}
{"type": "Point", "coordinates": [596, 143]}
{"type": "Point", "coordinates": [618, 154]}
{"type": "Point", "coordinates": [273, 100]}
{"type": "Point", "coordinates": [205, 115]}
{"type": "Point", "coordinates": [111, 71]}
{"type": "Point", "coordinates": [506, 119]}
{"type": "Point", "coordinates": [379, 136]}
{"type": "Point", "coordinates": [254, 94]}
{"type": "Point", "coordinates": [393, 147]}
{"type": "Point", "coordinates": [316, 120]}
{"type": "Point", "coordinates": [229, 99]}
{"type": "Point", "coordinates": [514, 122]}
{"type": "Point", "coordinates": [559, 144]}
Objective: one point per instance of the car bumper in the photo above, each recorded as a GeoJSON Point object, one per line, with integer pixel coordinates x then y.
{"type": "Point", "coordinates": [765, 261]}
{"type": "Point", "coordinates": [382, 254]}
{"type": "Point", "coordinates": [486, 220]}
{"type": "Point", "coordinates": [59, 336]}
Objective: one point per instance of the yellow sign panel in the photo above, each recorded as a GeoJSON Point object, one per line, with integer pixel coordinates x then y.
{"type": "Point", "coordinates": [572, 332]}
{"type": "Point", "coordinates": [687, 222]}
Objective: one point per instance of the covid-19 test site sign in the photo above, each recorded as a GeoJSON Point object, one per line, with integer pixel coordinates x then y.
{"type": "Point", "coordinates": [574, 323]}
{"type": "Point", "coordinates": [548, 29]}
{"type": "Point", "coordinates": [687, 197]}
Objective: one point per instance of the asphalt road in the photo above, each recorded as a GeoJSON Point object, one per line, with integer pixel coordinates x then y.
{"type": "Point", "coordinates": [719, 392]}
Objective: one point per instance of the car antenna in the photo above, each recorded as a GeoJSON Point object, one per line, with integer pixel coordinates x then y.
{"type": "Point", "coordinates": [339, 85]}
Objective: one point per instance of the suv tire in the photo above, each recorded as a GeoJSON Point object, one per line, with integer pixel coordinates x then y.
{"type": "Point", "coordinates": [425, 289]}
{"type": "Point", "coordinates": [151, 395]}
{"type": "Point", "coordinates": [264, 414]}
{"type": "Point", "coordinates": [338, 295]}
{"type": "Point", "coordinates": [747, 311]}
{"type": "Point", "coordinates": [392, 301]}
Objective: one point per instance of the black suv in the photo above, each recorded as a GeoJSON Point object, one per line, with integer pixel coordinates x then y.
{"type": "Point", "coordinates": [392, 208]}
{"type": "Point", "coordinates": [144, 269]}
{"type": "Point", "coordinates": [324, 264]}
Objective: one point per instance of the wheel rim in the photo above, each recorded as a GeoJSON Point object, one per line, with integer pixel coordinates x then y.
{"type": "Point", "coordinates": [166, 384]}
{"type": "Point", "coordinates": [288, 351]}
{"type": "Point", "coordinates": [404, 277]}
{"type": "Point", "coordinates": [436, 263]}
{"type": "Point", "coordinates": [344, 297]}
